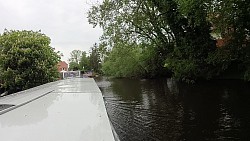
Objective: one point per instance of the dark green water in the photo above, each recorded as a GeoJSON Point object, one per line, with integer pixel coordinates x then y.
{"type": "Point", "coordinates": [162, 110]}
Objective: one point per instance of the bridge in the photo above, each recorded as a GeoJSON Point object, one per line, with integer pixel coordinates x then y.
{"type": "Point", "coordinates": [65, 110]}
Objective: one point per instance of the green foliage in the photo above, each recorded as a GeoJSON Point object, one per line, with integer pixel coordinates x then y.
{"type": "Point", "coordinates": [123, 61]}
{"type": "Point", "coordinates": [231, 21]}
{"type": "Point", "coordinates": [74, 60]}
{"type": "Point", "coordinates": [182, 69]}
{"type": "Point", "coordinates": [75, 56]}
{"type": "Point", "coordinates": [26, 60]}
{"type": "Point", "coordinates": [173, 35]}
{"type": "Point", "coordinates": [73, 66]}
{"type": "Point", "coordinates": [80, 61]}
{"type": "Point", "coordinates": [169, 32]}
{"type": "Point", "coordinates": [94, 59]}
{"type": "Point", "coordinates": [84, 62]}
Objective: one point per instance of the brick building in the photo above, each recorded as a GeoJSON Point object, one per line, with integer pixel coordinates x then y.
{"type": "Point", "coordinates": [62, 66]}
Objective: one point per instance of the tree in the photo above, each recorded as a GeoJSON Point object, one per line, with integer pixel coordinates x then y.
{"type": "Point", "coordinates": [124, 61]}
{"type": "Point", "coordinates": [134, 22]}
{"type": "Point", "coordinates": [73, 66]}
{"type": "Point", "coordinates": [75, 56]}
{"type": "Point", "coordinates": [84, 62]}
{"type": "Point", "coordinates": [231, 22]}
{"type": "Point", "coordinates": [94, 59]}
{"type": "Point", "coordinates": [26, 60]}
{"type": "Point", "coordinates": [74, 60]}
{"type": "Point", "coordinates": [193, 42]}
{"type": "Point", "coordinates": [177, 35]}
{"type": "Point", "coordinates": [179, 39]}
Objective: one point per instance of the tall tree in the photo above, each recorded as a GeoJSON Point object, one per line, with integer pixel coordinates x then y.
{"type": "Point", "coordinates": [74, 60]}
{"type": "Point", "coordinates": [180, 39]}
{"type": "Point", "coordinates": [73, 66]}
{"type": "Point", "coordinates": [133, 22]}
{"type": "Point", "coordinates": [84, 62]}
{"type": "Point", "coordinates": [26, 59]}
{"type": "Point", "coordinates": [193, 41]}
{"type": "Point", "coordinates": [94, 58]}
{"type": "Point", "coordinates": [75, 56]}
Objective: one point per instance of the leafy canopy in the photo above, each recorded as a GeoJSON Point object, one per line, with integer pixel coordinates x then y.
{"type": "Point", "coordinates": [175, 35]}
{"type": "Point", "coordinates": [26, 59]}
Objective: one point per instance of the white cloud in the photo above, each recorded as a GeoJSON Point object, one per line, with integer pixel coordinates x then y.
{"type": "Point", "coordinates": [64, 21]}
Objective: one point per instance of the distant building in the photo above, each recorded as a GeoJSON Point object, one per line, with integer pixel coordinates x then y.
{"type": "Point", "coordinates": [62, 66]}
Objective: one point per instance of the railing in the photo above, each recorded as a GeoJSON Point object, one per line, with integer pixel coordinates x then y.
{"type": "Point", "coordinates": [70, 74]}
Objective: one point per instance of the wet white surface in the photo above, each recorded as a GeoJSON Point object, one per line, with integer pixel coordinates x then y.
{"type": "Point", "coordinates": [69, 113]}
{"type": "Point", "coordinates": [85, 86]}
{"type": "Point", "coordinates": [30, 94]}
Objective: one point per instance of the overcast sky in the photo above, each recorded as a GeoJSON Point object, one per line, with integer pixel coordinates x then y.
{"type": "Point", "coordinates": [64, 21]}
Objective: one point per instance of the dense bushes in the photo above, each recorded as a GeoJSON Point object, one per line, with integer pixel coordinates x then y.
{"type": "Point", "coordinates": [26, 60]}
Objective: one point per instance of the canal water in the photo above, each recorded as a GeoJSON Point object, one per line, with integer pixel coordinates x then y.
{"type": "Point", "coordinates": [163, 110]}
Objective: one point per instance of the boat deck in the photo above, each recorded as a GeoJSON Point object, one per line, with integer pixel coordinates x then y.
{"type": "Point", "coordinates": [66, 110]}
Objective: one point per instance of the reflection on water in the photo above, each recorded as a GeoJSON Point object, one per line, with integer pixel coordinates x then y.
{"type": "Point", "coordinates": [160, 109]}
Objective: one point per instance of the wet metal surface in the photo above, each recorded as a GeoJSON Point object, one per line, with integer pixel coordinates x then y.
{"type": "Point", "coordinates": [86, 85]}
{"type": "Point", "coordinates": [65, 114]}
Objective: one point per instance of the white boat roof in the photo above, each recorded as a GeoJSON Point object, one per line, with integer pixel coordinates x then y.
{"type": "Point", "coordinates": [66, 110]}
